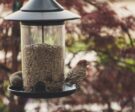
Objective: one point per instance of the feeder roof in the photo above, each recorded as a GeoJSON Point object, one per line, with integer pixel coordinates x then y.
{"type": "Point", "coordinates": [42, 10]}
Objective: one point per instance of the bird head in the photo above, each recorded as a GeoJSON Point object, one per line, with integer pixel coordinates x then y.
{"type": "Point", "coordinates": [83, 63]}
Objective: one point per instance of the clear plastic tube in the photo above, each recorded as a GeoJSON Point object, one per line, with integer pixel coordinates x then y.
{"type": "Point", "coordinates": [43, 56]}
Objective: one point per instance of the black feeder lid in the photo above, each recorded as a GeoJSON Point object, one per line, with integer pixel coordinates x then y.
{"type": "Point", "coordinates": [42, 10]}
{"type": "Point", "coordinates": [67, 90]}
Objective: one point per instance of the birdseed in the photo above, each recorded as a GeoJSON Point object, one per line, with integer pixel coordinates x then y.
{"type": "Point", "coordinates": [44, 63]}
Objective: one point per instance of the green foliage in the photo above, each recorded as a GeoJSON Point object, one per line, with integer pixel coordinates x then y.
{"type": "Point", "coordinates": [3, 107]}
{"type": "Point", "coordinates": [121, 42]}
{"type": "Point", "coordinates": [77, 46]}
{"type": "Point", "coordinates": [127, 63]}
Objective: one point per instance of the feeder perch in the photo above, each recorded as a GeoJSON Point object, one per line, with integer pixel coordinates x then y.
{"type": "Point", "coordinates": [42, 48]}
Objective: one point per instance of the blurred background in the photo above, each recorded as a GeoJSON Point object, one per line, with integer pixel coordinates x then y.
{"type": "Point", "coordinates": [105, 36]}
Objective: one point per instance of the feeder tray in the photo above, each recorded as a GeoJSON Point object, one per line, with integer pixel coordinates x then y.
{"type": "Point", "coordinates": [67, 90]}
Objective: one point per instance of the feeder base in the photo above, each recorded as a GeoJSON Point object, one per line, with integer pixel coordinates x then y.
{"type": "Point", "coordinates": [67, 90]}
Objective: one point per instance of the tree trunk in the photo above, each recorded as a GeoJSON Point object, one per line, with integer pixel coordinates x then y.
{"type": "Point", "coordinates": [109, 107]}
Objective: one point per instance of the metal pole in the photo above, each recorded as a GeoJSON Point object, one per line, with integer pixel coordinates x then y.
{"type": "Point", "coordinates": [42, 34]}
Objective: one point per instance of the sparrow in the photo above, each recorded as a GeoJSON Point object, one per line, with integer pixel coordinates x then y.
{"type": "Point", "coordinates": [16, 80]}
{"type": "Point", "coordinates": [77, 74]}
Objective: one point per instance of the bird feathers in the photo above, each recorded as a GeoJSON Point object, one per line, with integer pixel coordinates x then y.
{"type": "Point", "coordinates": [78, 73]}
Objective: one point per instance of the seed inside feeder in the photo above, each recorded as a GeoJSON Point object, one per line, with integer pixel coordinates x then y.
{"type": "Point", "coordinates": [43, 63]}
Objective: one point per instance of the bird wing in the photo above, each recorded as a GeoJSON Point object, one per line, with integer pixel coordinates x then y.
{"type": "Point", "coordinates": [75, 75]}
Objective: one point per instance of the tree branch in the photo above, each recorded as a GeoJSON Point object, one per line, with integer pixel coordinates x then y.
{"type": "Point", "coordinates": [6, 69]}
{"type": "Point", "coordinates": [69, 63]}
{"type": "Point", "coordinates": [130, 39]}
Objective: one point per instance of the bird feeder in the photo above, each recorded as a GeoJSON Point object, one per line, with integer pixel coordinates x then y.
{"type": "Point", "coordinates": [42, 46]}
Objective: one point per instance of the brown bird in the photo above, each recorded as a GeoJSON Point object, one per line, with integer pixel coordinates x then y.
{"type": "Point", "coordinates": [78, 73]}
{"type": "Point", "coordinates": [16, 80]}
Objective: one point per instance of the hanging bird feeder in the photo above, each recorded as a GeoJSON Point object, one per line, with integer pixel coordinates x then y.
{"type": "Point", "coordinates": [42, 48]}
